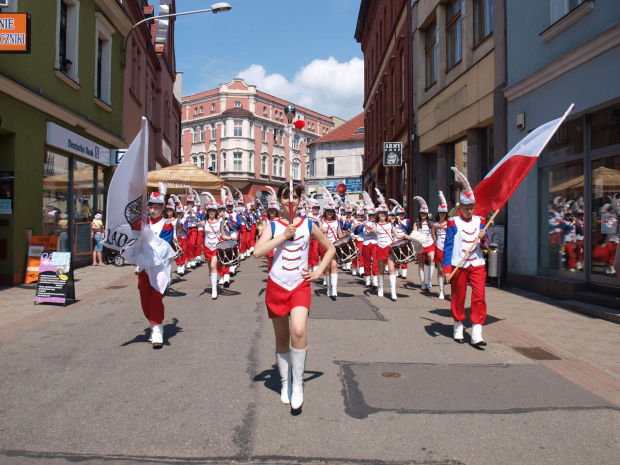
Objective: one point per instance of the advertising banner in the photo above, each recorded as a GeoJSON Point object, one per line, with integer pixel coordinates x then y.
{"type": "Point", "coordinates": [55, 284]}
{"type": "Point", "coordinates": [14, 33]}
{"type": "Point", "coordinates": [38, 245]}
{"type": "Point", "coordinates": [6, 192]}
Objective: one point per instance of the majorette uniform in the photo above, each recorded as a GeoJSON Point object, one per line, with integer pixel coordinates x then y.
{"type": "Point", "coordinates": [331, 232]}
{"type": "Point", "coordinates": [313, 254]}
{"type": "Point", "coordinates": [570, 242]}
{"type": "Point", "coordinates": [429, 246]}
{"type": "Point", "coordinates": [225, 271]}
{"type": "Point", "coordinates": [213, 236]}
{"type": "Point", "coordinates": [190, 219]}
{"type": "Point", "coordinates": [402, 226]}
{"type": "Point", "coordinates": [254, 217]}
{"type": "Point", "coordinates": [460, 235]}
{"type": "Point", "coordinates": [242, 229]}
{"type": "Point", "coordinates": [579, 235]}
{"type": "Point", "coordinates": [369, 239]}
{"type": "Point", "coordinates": [385, 232]}
{"type": "Point", "coordinates": [356, 229]}
{"type": "Point", "coordinates": [346, 225]}
{"type": "Point", "coordinates": [201, 235]}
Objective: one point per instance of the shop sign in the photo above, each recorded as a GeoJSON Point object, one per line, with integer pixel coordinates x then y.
{"type": "Point", "coordinates": [38, 245]}
{"type": "Point", "coordinates": [353, 184]}
{"type": "Point", "coordinates": [117, 156]}
{"type": "Point", "coordinates": [392, 154]}
{"type": "Point", "coordinates": [64, 139]}
{"type": "Point", "coordinates": [6, 192]}
{"type": "Point", "coordinates": [14, 33]}
{"type": "Point", "coordinates": [332, 185]}
{"type": "Point", "coordinates": [56, 283]}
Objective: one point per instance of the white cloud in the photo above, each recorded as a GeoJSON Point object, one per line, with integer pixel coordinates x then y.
{"type": "Point", "coordinates": [324, 86]}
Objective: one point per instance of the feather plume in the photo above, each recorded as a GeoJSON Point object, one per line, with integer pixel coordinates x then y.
{"type": "Point", "coordinates": [177, 201]}
{"type": "Point", "coordinates": [396, 203]}
{"type": "Point", "coordinates": [421, 201]}
{"type": "Point", "coordinates": [162, 188]}
{"type": "Point", "coordinates": [272, 191]}
{"type": "Point", "coordinates": [380, 197]}
{"type": "Point", "coordinates": [418, 239]}
{"type": "Point", "coordinates": [462, 179]}
{"type": "Point", "coordinates": [442, 199]}
{"type": "Point", "coordinates": [198, 201]}
{"type": "Point", "coordinates": [223, 194]}
{"type": "Point", "coordinates": [329, 196]}
{"type": "Point", "coordinates": [229, 192]}
{"type": "Point", "coordinates": [209, 196]}
{"type": "Point", "coordinates": [557, 200]}
{"type": "Point", "coordinates": [367, 200]}
{"type": "Point", "coordinates": [240, 195]}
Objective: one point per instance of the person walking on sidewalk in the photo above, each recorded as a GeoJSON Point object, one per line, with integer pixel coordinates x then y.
{"type": "Point", "coordinates": [463, 231]}
{"type": "Point", "coordinates": [288, 294]}
{"type": "Point", "coordinates": [440, 226]}
{"type": "Point", "coordinates": [98, 232]}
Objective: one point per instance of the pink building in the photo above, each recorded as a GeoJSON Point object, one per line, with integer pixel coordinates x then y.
{"type": "Point", "coordinates": [237, 132]}
{"type": "Point", "coordinates": [150, 76]}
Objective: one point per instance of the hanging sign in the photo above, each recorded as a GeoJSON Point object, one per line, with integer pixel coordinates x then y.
{"type": "Point", "coordinates": [55, 283]}
{"type": "Point", "coordinates": [392, 154]}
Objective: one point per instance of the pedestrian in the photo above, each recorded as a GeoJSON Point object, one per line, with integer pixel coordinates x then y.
{"type": "Point", "coordinates": [190, 218]}
{"type": "Point", "coordinates": [288, 294]}
{"type": "Point", "coordinates": [98, 233]}
{"type": "Point", "coordinates": [440, 226]}
{"type": "Point", "coordinates": [356, 231]}
{"type": "Point", "coordinates": [463, 231]}
{"type": "Point", "coordinates": [425, 226]}
{"type": "Point", "coordinates": [331, 229]}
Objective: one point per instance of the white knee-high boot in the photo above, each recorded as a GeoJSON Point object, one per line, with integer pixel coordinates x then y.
{"type": "Point", "coordinates": [283, 361]}
{"type": "Point", "coordinates": [328, 280]}
{"type": "Point", "coordinates": [334, 279]}
{"type": "Point", "coordinates": [380, 284]}
{"type": "Point", "coordinates": [423, 283]}
{"type": "Point", "coordinates": [441, 284]}
{"type": "Point", "coordinates": [214, 285]}
{"type": "Point", "coordinates": [393, 286]}
{"type": "Point", "coordinates": [298, 361]}
{"type": "Point", "coordinates": [431, 270]}
{"type": "Point", "coordinates": [367, 281]}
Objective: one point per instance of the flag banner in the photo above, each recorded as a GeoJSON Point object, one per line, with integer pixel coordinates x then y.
{"type": "Point", "coordinates": [126, 208]}
{"type": "Point", "coordinates": [496, 188]}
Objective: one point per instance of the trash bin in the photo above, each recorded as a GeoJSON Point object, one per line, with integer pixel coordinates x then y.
{"type": "Point", "coordinates": [493, 260]}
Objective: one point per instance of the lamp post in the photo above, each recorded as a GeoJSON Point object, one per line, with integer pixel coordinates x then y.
{"type": "Point", "coordinates": [220, 7]}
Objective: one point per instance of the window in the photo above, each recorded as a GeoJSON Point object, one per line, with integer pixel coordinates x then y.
{"type": "Point", "coordinates": [202, 133]}
{"type": "Point", "coordinates": [483, 20]}
{"type": "Point", "coordinates": [11, 6]}
{"type": "Point", "coordinates": [275, 167]}
{"type": "Point", "coordinates": [212, 163]}
{"type": "Point", "coordinates": [195, 111]}
{"type": "Point", "coordinates": [238, 128]}
{"type": "Point", "coordinates": [330, 166]}
{"type": "Point", "coordinates": [202, 110]}
{"type": "Point", "coordinates": [135, 70]}
{"type": "Point", "coordinates": [281, 138]}
{"type": "Point", "coordinates": [559, 8]}
{"type": "Point", "coordinates": [224, 129]}
{"type": "Point", "coordinates": [213, 107]}
{"type": "Point", "coordinates": [237, 161]}
{"type": "Point", "coordinates": [296, 142]}
{"type": "Point", "coordinates": [202, 162]}
{"type": "Point", "coordinates": [307, 170]}
{"type": "Point", "coordinates": [263, 165]}
{"type": "Point", "coordinates": [264, 111]}
{"type": "Point", "coordinates": [430, 54]}
{"type": "Point", "coordinates": [195, 160]}
{"type": "Point", "coordinates": [296, 170]}
{"type": "Point", "coordinates": [359, 131]}
{"type": "Point", "coordinates": [453, 33]}
{"type": "Point", "coordinates": [264, 134]}
{"type": "Point", "coordinates": [195, 134]}
{"type": "Point", "coordinates": [237, 104]}
{"type": "Point", "coordinates": [281, 168]}
{"type": "Point", "coordinates": [56, 203]}
{"type": "Point", "coordinates": [224, 166]}
{"type": "Point", "coordinates": [67, 40]}
{"type": "Point", "coordinates": [251, 163]}
{"type": "Point", "coordinates": [213, 132]}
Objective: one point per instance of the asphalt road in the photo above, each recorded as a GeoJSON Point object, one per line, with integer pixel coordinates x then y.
{"type": "Point", "coordinates": [385, 384]}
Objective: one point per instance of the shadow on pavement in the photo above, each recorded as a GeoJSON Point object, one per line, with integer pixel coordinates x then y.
{"type": "Point", "coordinates": [447, 313]}
{"type": "Point", "coordinates": [172, 293]}
{"type": "Point", "coordinates": [271, 378]}
{"type": "Point", "coordinates": [170, 330]}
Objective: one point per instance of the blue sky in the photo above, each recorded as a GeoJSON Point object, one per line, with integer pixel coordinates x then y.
{"type": "Point", "coordinates": [303, 51]}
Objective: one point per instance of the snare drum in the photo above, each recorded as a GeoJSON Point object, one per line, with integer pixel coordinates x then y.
{"type": "Point", "coordinates": [346, 250]}
{"type": "Point", "coordinates": [227, 253]}
{"type": "Point", "coordinates": [403, 251]}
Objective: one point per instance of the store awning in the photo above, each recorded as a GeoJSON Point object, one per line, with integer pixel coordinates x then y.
{"type": "Point", "coordinates": [608, 178]}
{"type": "Point", "coordinates": [177, 178]}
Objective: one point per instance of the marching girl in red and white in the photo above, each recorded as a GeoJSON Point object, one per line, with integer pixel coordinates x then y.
{"type": "Point", "coordinates": [385, 234]}
{"type": "Point", "coordinates": [180, 234]}
{"type": "Point", "coordinates": [273, 210]}
{"type": "Point", "coordinates": [331, 229]}
{"type": "Point", "coordinates": [315, 216]}
{"type": "Point", "coordinates": [403, 226]}
{"type": "Point", "coordinates": [463, 231]}
{"type": "Point", "coordinates": [425, 226]}
{"type": "Point", "coordinates": [224, 271]}
{"type": "Point", "coordinates": [288, 294]}
{"type": "Point", "coordinates": [190, 218]}
{"type": "Point", "coordinates": [356, 232]}
{"type": "Point", "coordinates": [151, 284]}
{"type": "Point", "coordinates": [201, 232]}
{"type": "Point", "coordinates": [346, 225]}
{"type": "Point", "coordinates": [440, 226]}
{"type": "Point", "coordinates": [234, 220]}
{"type": "Point", "coordinates": [369, 236]}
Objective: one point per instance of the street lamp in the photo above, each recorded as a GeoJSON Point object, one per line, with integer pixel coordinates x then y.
{"type": "Point", "coordinates": [220, 7]}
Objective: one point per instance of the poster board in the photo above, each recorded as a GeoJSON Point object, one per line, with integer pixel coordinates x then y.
{"type": "Point", "coordinates": [83, 239]}
{"type": "Point", "coordinates": [56, 283]}
{"type": "Point", "coordinates": [38, 245]}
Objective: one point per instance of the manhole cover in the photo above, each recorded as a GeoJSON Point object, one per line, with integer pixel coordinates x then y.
{"type": "Point", "coordinates": [117, 287]}
{"type": "Point", "coordinates": [536, 353]}
{"type": "Point", "coordinates": [390, 374]}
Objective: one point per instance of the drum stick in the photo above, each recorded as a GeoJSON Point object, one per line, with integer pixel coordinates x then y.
{"type": "Point", "coordinates": [473, 245]}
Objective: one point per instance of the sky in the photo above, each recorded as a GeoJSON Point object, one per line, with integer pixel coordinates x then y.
{"type": "Point", "coordinates": [302, 51]}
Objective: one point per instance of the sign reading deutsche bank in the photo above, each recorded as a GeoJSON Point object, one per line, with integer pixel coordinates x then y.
{"type": "Point", "coordinates": [60, 137]}
{"type": "Point", "coordinates": [392, 154]}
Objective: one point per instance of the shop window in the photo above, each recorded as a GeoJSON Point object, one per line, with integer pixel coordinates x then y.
{"type": "Point", "coordinates": [605, 213]}
{"type": "Point", "coordinates": [453, 33]}
{"type": "Point", "coordinates": [561, 217]}
{"type": "Point", "coordinates": [8, 6]}
{"type": "Point", "coordinates": [83, 206]}
{"type": "Point", "coordinates": [605, 128]}
{"type": "Point", "coordinates": [483, 20]}
{"type": "Point", "coordinates": [56, 198]}
{"type": "Point", "coordinates": [430, 54]}
{"type": "Point", "coordinates": [566, 142]}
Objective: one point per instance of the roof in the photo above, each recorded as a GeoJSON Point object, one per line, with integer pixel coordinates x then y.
{"type": "Point", "coordinates": [237, 111]}
{"type": "Point", "coordinates": [345, 131]}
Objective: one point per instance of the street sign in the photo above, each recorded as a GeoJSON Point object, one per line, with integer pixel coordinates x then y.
{"type": "Point", "coordinates": [341, 189]}
{"type": "Point", "coordinates": [392, 154]}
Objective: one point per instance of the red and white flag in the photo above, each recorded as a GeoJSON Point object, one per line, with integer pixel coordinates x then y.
{"type": "Point", "coordinates": [496, 188]}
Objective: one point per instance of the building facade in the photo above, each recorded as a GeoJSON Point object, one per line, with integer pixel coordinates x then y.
{"type": "Point", "coordinates": [382, 30]}
{"type": "Point", "coordinates": [238, 133]}
{"type": "Point", "coordinates": [338, 158]}
{"type": "Point", "coordinates": [563, 219]}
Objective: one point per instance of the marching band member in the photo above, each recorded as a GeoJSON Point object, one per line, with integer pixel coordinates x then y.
{"type": "Point", "coordinates": [273, 208]}
{"type": "Point", "coordinates": [190, 218]}
{"type": "Point", "coordinates": [254, 218]}
{"type": "Point", "coordinates": [170, 216]}
{"type": "Point", "coordinates": [402, 225]}
{"type": "Point", "coordinates": [200, 229]}
{"type": "Point", "coordinates": [150, 298]}
{"type": "Point", "coordinates": [224, 271]}
{"type": "Point", "coordinates": [425, 226]}
{"type": "Point", "coordinates": [346, 224]}
{"type": "Point", "coordinates": [180, 234]}
{"type": "Point", "coordinates": [331, 229]}
{"type": "Point", "coordinates": [440, 227]}
{"type": "Point", "coordinates": [463, 230]}
{"type": "Point", "coordinates": [288, 290]}
{"type": "Point", "coordinates": [356, 231]}
{"type": "Point", "coordinates": [369, 246]}
{"type": "Point", "coordinates": [316, 218]}
{"type": "Point", "coordinates": [234, 221]}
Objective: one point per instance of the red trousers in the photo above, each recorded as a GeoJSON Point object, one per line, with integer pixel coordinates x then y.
{"type": "Point", "coordinates": [222, 270]}
{"type": "Point", "coordinates": [151, 300]}
{"type": "Point", "coordinates": [570, 254]}
{"type": "Point", "coordinates": [579, 250]}
{"type": "Point", "coordinates": [476, 277]}
{"type": "Point", "coordinates": [243, 239]}
{"type": "Point", "coordinates": [360, 247]}
{"type": "Point", "coordinates": [313, 253]}
{"type": "Point", "coordinates": [253, 235]}
{"type": "Point", "coordinates": [181, 260]}
{"type": "Point", "coordinates": [192, 243]}
{"type": "Point", "coordinates": [200, 243]}
{"type": "Point", "coordinates": [370, 252]}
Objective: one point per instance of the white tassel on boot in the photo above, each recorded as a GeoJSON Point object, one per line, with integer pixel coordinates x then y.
{"type": "Point", "coordinates": [423, 285]}
{"type": "Point", "coordinates": [431, 270]}
{"type": "Point", "coordinates": [334, 281]}
{"type": "Point", "coordinates": [441, 280]}
{"type": "Point", "coordinates": [298, 362]}
{"type": "Point", "coordinates": [214, 285]}
{"type": "Point", "coordinates": [393, 287]}
{"type": "Point", "coordinates": [283, 361]}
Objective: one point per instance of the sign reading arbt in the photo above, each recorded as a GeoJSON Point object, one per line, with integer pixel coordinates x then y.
{"type": "Point", "coordinates": [392, 154]}
{"type": "Point", "coordinates": [14, 33]}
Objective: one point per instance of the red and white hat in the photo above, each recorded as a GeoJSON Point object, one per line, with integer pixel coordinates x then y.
{"type": "Point", "coordinates": [348, 209]}
{"type": "Point", "coordinates": [211, 206]}
{"type": "Point", "coordinates": [158, 197]}
{"type": "Point", "coordinates": [443, 205]}
{"type": "Point", "coordinates": [170, 204]}
{"type": "Point", "coordinates": [382, 208]}
{"type": "Point", "coordinates": [273, 205]}
{"type": "Point", "coordinates": [221, 206]}
{"type": "Point", "coordinates": [466, 196]}
{"type": "Point", "coordinates": [371, 211]}
{"type": "Point", "coordinates": [329, 206]}
{"type": "Point", "coordinates": [422, 202]}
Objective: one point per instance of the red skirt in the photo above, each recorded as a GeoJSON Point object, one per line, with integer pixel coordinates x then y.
{"type": "Point", "coordinates": [281, 301]}
{"type": "Point", "coordinates": [427, 250]}
{"type": "Point", "coordinates": [383, 252]}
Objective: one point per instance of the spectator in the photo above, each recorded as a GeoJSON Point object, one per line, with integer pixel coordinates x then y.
{"type": "Point", "coordinates": [98, 231]}
{"type": "Point", "coordinates": [65, 65]}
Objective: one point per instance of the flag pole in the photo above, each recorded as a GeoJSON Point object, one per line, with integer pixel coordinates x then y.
{"type": "Point", "coordinates": [290, 112]}
{"type": "Point", "coordinates": [473, 245]}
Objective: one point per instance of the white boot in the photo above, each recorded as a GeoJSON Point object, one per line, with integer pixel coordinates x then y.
{"type": "Point", "coordinates": [393, 287]}
{"type": "Point", "coordinates": [197, 260]}
{"type": "Point", "coordinates": [188, 265]}
{"type": "Point", "coordinates": [403, 272]}
{"type": "Point", "coordinates": [157, 336]}
{"type": "Point", "coordinates": [334, 280]}
{"type": "Point", "coordinates": [232, 270]}
{"type": "Point", "coordinates": [354, 271]}
{"type": "Point", "coordinates": [328, 281]}
{"type": "Point", "coordinates": [221, 281]}
{"type": "Point", "coordinates": [367, 281]}
{"type": "Point", "coordinates": [226, 280]}
{"type": "Point", "coordinates": [193, 263]}
{"type": "Point", "coordinates": [375, 282]}
{"type": "Point", "coordinates": [251, 250]}
{"type": "Point", "coordinates": [214, 285]}
{"type": "Point", "coordinates": [380, 286]}
{"type": "Point", "coordinates": [441, 280]}
{"type": "Point", "coordinates": [423, 285]}
{"type": "Point", "coordinates": [150, 341]}
{"type": "Point", "coordinates": [315, 267]}
{"type": "Point", "coordinates": [476, 336]}
{"type": "Point", "coordinates": [458, 332]}
{"type": "Point", "coordinates": [298, 360]}
{"type": "Point", "coordinates": [283, 361]}
{"type": "Point", "coordinates": [181, 270]}
{"type": "Point", "coordinates": [431, 270]}
{"type": "Point", "coordinates": [325, 281]}
{"type": "Point", "coordinates": [360, 271]}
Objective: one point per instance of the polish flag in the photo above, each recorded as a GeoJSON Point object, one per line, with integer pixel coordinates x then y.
{"type": "Point", "coordinates": [496, 188]}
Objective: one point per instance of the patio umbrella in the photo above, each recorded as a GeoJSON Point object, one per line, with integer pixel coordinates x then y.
{"type": "Point", "coordinates": [177, 178]}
